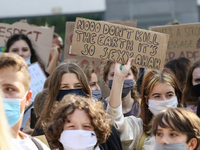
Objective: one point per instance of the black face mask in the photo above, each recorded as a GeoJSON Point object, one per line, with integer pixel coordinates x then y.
{"type": "Point", "coordinates": [62, 93]}
{"type": "Point", "coordinates": [198, 107]}
{"type": "Point", "coordinates": [127, 86]}
{"type": "Point", "coordinates": [196, 89]}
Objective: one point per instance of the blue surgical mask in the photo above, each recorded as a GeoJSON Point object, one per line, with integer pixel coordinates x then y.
{"type": "Point", "coordinates": [62, 93]}
{"type": "Point", "coordinates": [96, 94]}
{"type": "Point", "coordinates": [174, 146]}
{"type": "Point", "coordinates": [127, 86]}
{"type": "Point", "coordinates": [12, 109]}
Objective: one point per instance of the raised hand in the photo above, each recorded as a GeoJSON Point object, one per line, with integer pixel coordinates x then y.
{"type": "Point", "coordinates": [122, 70]}
{"type": "Point", "coordinates": [118, 80]}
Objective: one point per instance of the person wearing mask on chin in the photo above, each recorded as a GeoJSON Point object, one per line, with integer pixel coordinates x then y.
{"type": "Point", "coordinates": [15, 84]}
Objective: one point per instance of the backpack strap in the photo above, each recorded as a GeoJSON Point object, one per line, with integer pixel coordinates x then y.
{"type": "Point", "coordinates": [38, 145]}
{"type": "Point", "coordinates": [141, 143]}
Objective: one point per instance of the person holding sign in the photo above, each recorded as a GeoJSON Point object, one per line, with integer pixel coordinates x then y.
{"type": "Point", "coordinates": [130, 96]}
{"type": "Point", "coordinates": [15, 85]}
{"type": "Point", "coordinates": [176, 133]}
{"type": "Point", "coordinates": [159, 91]}
{"type": "Point", "coordinates": [191, 92]}
{"type": "Point", "coordinates": [78, 124]}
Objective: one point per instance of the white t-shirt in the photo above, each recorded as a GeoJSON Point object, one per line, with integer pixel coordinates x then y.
{"type": "Point", "coordinates": [28, 144]}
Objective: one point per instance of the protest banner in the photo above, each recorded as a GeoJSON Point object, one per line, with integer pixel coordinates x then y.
{"type": "Point", "coordinates": [37, 79]}
{"type": "Point", "coordinates": [118, 43]}
{"type": "Point", "coordinates": [83, 60]}
{"type": "Point", "coordinates": [184, 40]}
{"type": "Point", "coordinates": [40, 36]}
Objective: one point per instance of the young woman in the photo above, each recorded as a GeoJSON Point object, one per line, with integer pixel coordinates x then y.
{"type": "Point", "coordinates": [65, 79]}
{"type": "Point", "coordinates": [191, 91]}
{"type": "Point", "coordinates": [159, 91]}
{"type": "Point", "coordinates": [78, 123]}
{"type": "Point", "coordinates": [130, 96]}
{"type": "Point", "coordinates": [21, 45]}
{"type": "Point", "coordinates": [177, 129]}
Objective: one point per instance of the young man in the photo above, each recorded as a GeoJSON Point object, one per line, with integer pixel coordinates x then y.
{"type": "Point", "coordinates": [15, 84]}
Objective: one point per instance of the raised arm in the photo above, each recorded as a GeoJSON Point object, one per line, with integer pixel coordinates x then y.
{"type": "Point", "coordinates": [120, 74]}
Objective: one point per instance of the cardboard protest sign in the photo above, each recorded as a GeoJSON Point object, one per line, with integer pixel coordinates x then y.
{"type": "Point", "coordinates": [43, 139]}
{"type": "Point", "coordinates": [83, 60]}
{"type": "Point", "coordinates": [118, 43]}
{"type": "Point", "coordinates": [37, 79]}
{"type": "Point", "coordinates": [184, 40]}
{"type": "Point", "coordinates": [41, 37]}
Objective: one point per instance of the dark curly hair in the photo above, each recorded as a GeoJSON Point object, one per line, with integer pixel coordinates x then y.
{"type": "Point", "coordinates": [99, 119]}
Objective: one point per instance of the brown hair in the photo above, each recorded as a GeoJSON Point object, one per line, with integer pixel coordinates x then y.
{"type": "Point", "coordinates": [88, 70]}
{"type": "Point", "coordinates": [106, 69]}
{"type": "Point", "coordinates": [152, 78]}
{"type": "Point", "coordinates": [54, 86]}
{"type": "Point", "coordinates": [99, 119]}
{"type": "Point", "coordinates": [39, 102]}
{"type": "Point", "coordinates": [18, 64]}
{"type": "Point", "coordinates": [179, 119]}
{"type": "Point", "coordinates": [180, 68]}
{"type": "Point", "coordinates": [188, 92]}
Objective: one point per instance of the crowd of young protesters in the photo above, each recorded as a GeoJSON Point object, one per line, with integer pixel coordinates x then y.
{"type": "Point", "coordinates": [71, 114]}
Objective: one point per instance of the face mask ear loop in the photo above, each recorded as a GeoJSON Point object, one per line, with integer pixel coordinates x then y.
{"type": "Point", "coordinates": [24, 96]}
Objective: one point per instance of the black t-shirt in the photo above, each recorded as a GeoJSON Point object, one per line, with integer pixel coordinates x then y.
{"type": "Point", "coordinates": [113, 142]}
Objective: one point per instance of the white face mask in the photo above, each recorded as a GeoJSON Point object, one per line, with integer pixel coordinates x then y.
{"type": "Point", "coordinates": [157, 105]}
{"type": "Point", "coordinates": [78, 140]}
{"type": "Point", "coordinates": [28, 60]}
